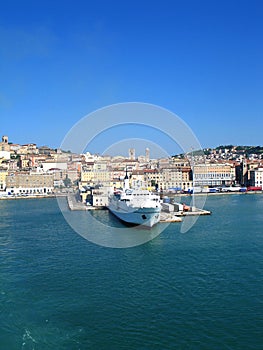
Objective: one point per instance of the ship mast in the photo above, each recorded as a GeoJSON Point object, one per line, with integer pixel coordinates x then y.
{"type": "Point", "coordinates": [126, 181]}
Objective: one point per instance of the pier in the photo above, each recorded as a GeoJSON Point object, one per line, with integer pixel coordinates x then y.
{"type": "Point", "coordinates": [169, 217]}
{"type": "Point", "coordinates": [75, 204]}
{"type": "Point", "coordinates": [174, 212]}
{"type": "Point", "coordinates": [170, 212]}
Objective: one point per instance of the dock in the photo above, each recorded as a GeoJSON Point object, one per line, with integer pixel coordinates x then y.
{"type": "Point", "coordinates": [173, 212]}
{"type": "Point", "coordinates": [75, 204]}
{"type": "Point", "coordinates": [170, 212]}
{"type": "Point", "coordinates": [194, 212]}
{"type": "Point", "coordinates": [169, 217]}
{"type": "Point", "coordinates": [177, 216]}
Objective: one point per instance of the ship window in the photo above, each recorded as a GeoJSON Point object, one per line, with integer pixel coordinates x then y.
{"type": "Point", "coordinates": [144, 217]}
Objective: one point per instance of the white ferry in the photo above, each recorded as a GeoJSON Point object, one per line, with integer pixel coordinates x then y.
{"type": "Point", "coordinates": [138, 207]}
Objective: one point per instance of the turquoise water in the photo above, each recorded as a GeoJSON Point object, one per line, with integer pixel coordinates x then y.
{"type": "Point", "coordinates": [199, 290]}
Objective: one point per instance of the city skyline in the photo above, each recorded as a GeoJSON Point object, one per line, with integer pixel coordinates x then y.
{"type": "Point", "coordinates": [140, 148]}
{"type": "Point", "coordinates": [62, 61]}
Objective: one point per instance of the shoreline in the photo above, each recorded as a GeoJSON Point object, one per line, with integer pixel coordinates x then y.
{"type": "Point", "coordinates": [33, 197]}
{"type": "Point", "coordinates": [169, 195]}
{"type": "Point", "coordinates": [215, 194]}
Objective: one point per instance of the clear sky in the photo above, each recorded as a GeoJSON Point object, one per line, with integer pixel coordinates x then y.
{"type": "Point", "coordinates": [203, 60]}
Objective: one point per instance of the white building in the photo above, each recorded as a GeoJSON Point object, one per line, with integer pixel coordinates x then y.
{"type": "Point", "coordinates": [213, 174]}
{"type": "Point", "coordinates": [29, 183]}
{"type": "Point", "coordinates": [5, 154]}
{"type": "Point", "coordinates": [256, 177]}
{"type": "Point", "coordinates": [54, 165]}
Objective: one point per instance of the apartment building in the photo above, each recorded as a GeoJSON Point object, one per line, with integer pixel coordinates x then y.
{"type": "Point", "coordinates": [95, 176]}
{"type": "Point", "coordinates": [169, 178]}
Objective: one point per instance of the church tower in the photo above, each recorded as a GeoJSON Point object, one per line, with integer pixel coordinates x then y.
{"type": "Point", "coordinates": [5, 139]}
{"type": "Point", "coordinates": [132, 154]}
{"type": "Point", "coordinates": [147, 155]}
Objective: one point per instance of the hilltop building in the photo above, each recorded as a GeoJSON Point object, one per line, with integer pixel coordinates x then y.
{"type": "Point", "coordinates": [132, 154]}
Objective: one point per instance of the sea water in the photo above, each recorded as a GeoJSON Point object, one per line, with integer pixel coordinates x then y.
{"type": "Point", "coordinates": [202, 289]}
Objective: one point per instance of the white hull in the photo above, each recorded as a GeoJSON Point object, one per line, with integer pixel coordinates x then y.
{"type": "Point", "coordinates": [138, 207]}
{"type": "Point", "coordinates": [138, 216]}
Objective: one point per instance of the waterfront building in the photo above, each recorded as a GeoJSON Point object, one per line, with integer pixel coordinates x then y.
{"type": "Point", "coordinates": [29, 183]}
{"type": "Point", "coordinates": [253, 165]}
{"type": "Point", "coordinates": [213, 174]}
{"type": "Point", "coordinates": [256, 177]}
{"type": "Point", "coordinates": [100, 197]}
{"type": "Point", "coordinates": [242, 173]}
{"type": "Point", "coordinates": [97, 197]}
{"type": "Point", "coordinates": [171, 178]}
{"type": "Point", "coordinates": [3, 175]}
{"type": "Point", "coordinates": [58, 183]}
{"type": "Point", "coordinates": [244, 170]}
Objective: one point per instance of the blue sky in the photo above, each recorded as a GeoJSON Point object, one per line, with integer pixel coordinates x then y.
{"type": "Point", "coordinates": [61, 60]}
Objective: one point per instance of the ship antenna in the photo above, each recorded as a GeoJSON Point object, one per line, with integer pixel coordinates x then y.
{"type": "Point", "coordinates": [126, 175]}
{"type": "Point", "coordinates": [126, 180]}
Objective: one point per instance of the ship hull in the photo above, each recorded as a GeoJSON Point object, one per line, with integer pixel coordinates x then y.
{"type": "Point", "coordinates": [147, 217]}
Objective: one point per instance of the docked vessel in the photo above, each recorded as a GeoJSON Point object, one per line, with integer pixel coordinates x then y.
{"type": "Point", "coordinates": [138, 207]}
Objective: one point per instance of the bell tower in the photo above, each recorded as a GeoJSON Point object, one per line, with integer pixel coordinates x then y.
{"type": "Point", "coordinates": [5, 139]}
{"type": "Point", "coordinates": [132, 153]}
